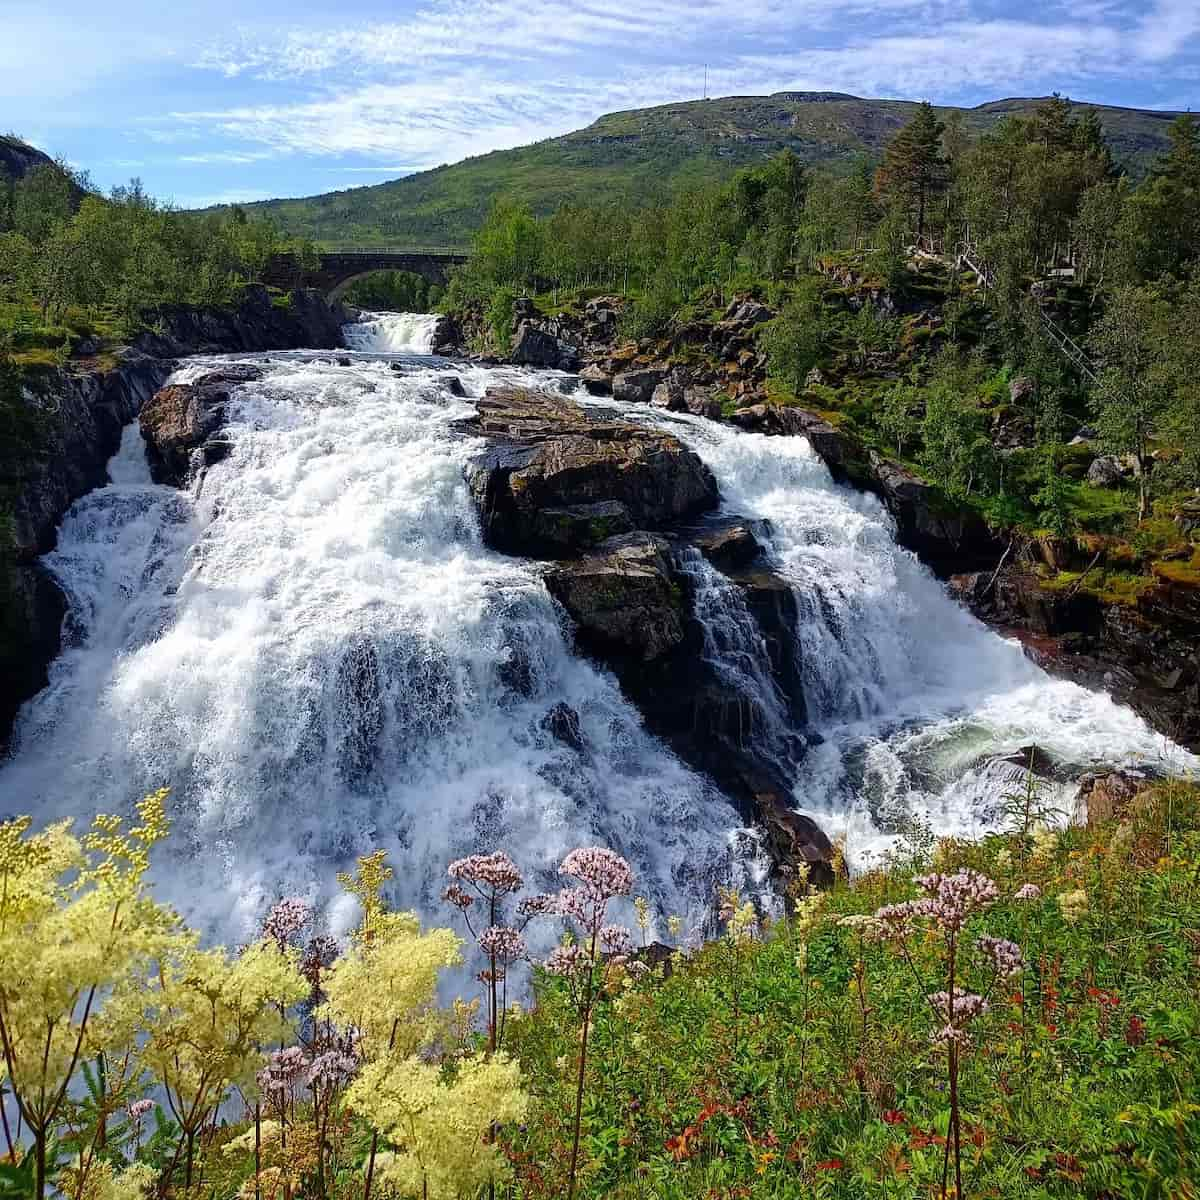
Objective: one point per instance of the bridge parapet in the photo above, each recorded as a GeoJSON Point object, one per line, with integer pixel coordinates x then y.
{"type": "Point", "coordinates": [338, 269]}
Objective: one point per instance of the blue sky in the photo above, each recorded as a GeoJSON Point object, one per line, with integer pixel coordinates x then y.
{"type": "Point", "coordinates": [213, 100]}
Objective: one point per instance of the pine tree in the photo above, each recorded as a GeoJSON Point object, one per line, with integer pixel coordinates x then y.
{"type": "Point", "coordinates": [914, 171]}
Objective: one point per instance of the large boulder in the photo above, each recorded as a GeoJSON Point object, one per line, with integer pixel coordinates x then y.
{"type": "Point", "coordinates": [827, 442]}
{"type": "Point", "coordinates": [180, 423]}
{"type": "Point", "coordinates": [556, 480]}
{"type": "Point", "coordinates": [637, 386]}
{"type": "Point", "coordinates": [536, 348]}
{"type": "Point", "coordinates": [623, 598]}
{"type": "Point", "coordinates": [949, 537]}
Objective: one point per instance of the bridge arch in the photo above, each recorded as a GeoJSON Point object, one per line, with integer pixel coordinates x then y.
{"type": "Point", "coordinates": [338, 269]}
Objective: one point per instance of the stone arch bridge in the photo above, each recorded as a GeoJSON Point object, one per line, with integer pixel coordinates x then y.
{"type": "Point", "coordinates": [338, 269]}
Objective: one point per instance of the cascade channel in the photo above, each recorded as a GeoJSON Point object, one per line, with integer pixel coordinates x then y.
{"type": "Point", "coordinates": [316, 652]}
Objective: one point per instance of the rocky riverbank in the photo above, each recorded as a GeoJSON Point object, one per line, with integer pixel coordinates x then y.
{"type": "Point", "coordinates": [78, 412]}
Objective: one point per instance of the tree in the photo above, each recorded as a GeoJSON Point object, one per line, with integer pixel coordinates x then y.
{"type": "Point", "coordinates": [956, 450]}
{"type": "Point", "coordinates": [1132, 396]}
{"type": "Point", "coordinates": [795, 339]}
{"type": "Point", "coordinates": [42, 199]}
{"type": "Point", "coordinates": [913, 172]}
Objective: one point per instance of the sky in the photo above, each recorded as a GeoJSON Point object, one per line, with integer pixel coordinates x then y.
{"type": "Point", "coordinates": [209, 101]}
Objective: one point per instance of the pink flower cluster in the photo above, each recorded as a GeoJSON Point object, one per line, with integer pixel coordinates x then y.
{"type": "Point", "coordinates": [953, 899]}
{"type": "Point", "coordinates": [967, 1006]}
{"type": "Point", "coordinates": [503, 943]}
{"type": "Point", "coordinates": [495, 874]}
{"type": "Point", "coordinates": [567, 961]}
{"type": "Point", "coordinates": [1005, 956]}
{"type": "Point", "coordinates": [139, 1108]}
{"type": "Point", "coordinates": [616, 939]}
{"type": "Point", "coordinates": [602, 875]}
{"type": "Point", "coordinates": [544, 904]}
{"type": "Point", "coordinates": [283, 1070]}
{"type": "Point", "coordinates": [318, 954]}
{"type": "Point", "coordinates": [333, 1069]}
{"type": "Point", "coordinates": [457, 895]}
{"type": "Point", "coordinates": [286, 920]}
{"type": "Point", "coordinates": [1028, 891]}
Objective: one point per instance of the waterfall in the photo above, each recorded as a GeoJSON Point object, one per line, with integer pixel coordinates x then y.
{"type": "Point", "coordinates": [392, 333]}
{"type": "Point", "coordinates": [315, 651]}
{"type": "Point", "coordinates": [318, 655]}
{"type": "Point", "coordinates": [914, 705]}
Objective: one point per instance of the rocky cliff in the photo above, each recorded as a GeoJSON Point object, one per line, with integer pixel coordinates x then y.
{"type": "Point", "coordinates": [624, 511]}
{"type": "Point", "coordinates": [78, 413]}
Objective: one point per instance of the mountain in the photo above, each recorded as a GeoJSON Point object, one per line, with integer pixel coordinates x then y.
{"type": "Point", "coordinates": [635, 155]}
{"type": "Point", "coordinates": [18, 157]}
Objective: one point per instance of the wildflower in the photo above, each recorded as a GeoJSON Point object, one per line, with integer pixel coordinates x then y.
{"type": "Point", "coordinates": [865, 925]}
{"type": "Point", "coordinates": [616, 939]}
{"type": "Point", "coordinates": [139, 1108]}
{"type": "Point", "coordinates": [1006, 957]}
{"type": "Point", "coordinates": [503, 943]}
{"type": "Point", "coordinates": [284, 1068]}
{"type": "Point", "coordinates": [893, 1116]}
{"type": "Point", "coordinates": [642, 908]}
{"type": "Point", "coordinates": [1045, 844]}
{"type": "Point", "coordinates": [1028, 891]}
{"type": "Point", "coordinates": [602, 875]}
{"type": "Point", "coordinates": [801, 957]}
{"type": "Point", "coordinates": [1135, 1032]}
{"type": "Point", "coordinates": [542, 905]}
{"type": "Point", "coordinates": [458, 896]}
{"type": "Point", "coordinates": [895, 920]}
{"type": "Point", "coordinates": [333, 1069]}
{"type": "Point", "coordinates": [675, 927]}
{"type": "Point", "coordinates": [495, 873]}
{"type": "Point", "coordinates": [1073, 905]}
{"type": "Point", "coordinates": [1003, 858]}
{"type": "Point", "coordinates": [967, 1006]}
{"type": "Point", "coordinates": [954, 898]}
{"type": "Point", "coordinates": [567, 961]}
{"type": "Point", "coordinates": [286, 920]}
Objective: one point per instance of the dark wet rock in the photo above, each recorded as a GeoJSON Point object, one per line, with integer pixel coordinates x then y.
{"type": "Point", "coordinates": [536, 486]}
{"type": "Point", "coordinates": [536, 348]}
{"type": "Point", "coordinates": [1145, 654]}
{"type": "Point", "coordinates": [596, 380]}
{"type": "Point", "coordinates": [946, 536]}
{"type": "Point", "coordinates": [307, 322]}
{"type": "Point", "coordinates": [31, 617]}
{"type": "Point", "coordinates": [637, 387]}
{"type": "Point", "coordinates": [730, 545]}
{"type": "Point", "coordinates": [180, 422]}
{"type": "Point", "coordinates": [623, 598]}
{"type": "Point", "coordinates": [1035, 759]}
{"type": "Point", "coordinates": [562, 724]}
{"type": "Point", "coordinates": [453, 385]}
{"type": "Point", "coordinates": [827, 442]}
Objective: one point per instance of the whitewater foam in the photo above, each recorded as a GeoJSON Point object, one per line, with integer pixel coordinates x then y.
{"type": "Point", "coordinates": [391, 333]}
{"type": "Point", "coordinates": [317, 654]}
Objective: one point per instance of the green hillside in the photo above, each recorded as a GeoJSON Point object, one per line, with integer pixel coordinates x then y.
{"type": "Point", "coordinates": [642, 153]}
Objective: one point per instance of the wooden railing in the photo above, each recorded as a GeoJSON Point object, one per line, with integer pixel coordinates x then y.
{"type": "Point", "coordinates": [1062, 340]}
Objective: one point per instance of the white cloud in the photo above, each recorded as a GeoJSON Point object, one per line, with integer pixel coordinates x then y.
{"type": "Point", "coordinates": [1167, 28]}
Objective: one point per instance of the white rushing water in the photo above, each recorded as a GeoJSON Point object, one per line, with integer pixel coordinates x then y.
{"type": "Point", "coordinates": [319, 656]}
{"type": "Point", "coordinates": [914, 704]}
{"type": "Point", "coordinates": [315, 651]}
{"type": "Point", "coordinates": [392, 333]}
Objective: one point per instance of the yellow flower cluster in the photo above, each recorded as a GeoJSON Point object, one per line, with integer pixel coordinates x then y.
{"type": "Point", "coordinates": [438, 1123]}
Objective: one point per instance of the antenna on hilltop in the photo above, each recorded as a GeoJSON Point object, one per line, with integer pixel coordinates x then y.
{"type": "Point", "coordinates": [706, 81]}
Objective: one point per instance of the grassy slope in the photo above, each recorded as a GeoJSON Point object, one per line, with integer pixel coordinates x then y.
{"type": "Point", "coordinates": [637, 154]}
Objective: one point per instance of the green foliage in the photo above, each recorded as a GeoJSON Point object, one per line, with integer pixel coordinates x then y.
{"type": "Point", "coordinates": [795, 339]}
{"type": "Point", "coordinates": [642, 156]}
{"type": "Point", "coordinates": [956, 449]}
{"type": "Point", "coordinates": [798, 1062]}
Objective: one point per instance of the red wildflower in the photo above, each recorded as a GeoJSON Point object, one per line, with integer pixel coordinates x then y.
{"type": "Point", "coordinates": [893, 1116]}
{"type": "Point", "coordinates": [1135, 1032]}
{"type": "Point", "coordinates": [830, 1164]}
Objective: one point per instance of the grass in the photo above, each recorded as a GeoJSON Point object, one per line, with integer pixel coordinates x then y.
{"type": "Point", "coordinates": [800, 1064]}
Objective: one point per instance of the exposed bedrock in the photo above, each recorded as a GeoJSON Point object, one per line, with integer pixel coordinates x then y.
{"type": "Point", "coordinates": [621, 508]}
